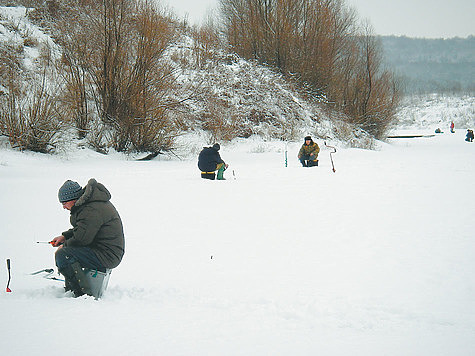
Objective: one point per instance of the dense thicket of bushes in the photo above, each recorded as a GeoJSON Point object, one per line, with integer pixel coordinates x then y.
{"type": "Point", "coordinates": [116, 90]}
{"type": "Point", "coordinates": [113, 69]}
{"type": "Point", "coordinates": [321, 43]}
{"type": "Point", "coordinates": [112, 75]}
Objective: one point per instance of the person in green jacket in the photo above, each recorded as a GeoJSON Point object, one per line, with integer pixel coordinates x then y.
{"type": "Point", "coordinates": [308, 154]}
{"type": "Point", "coordinates": [96, 239]}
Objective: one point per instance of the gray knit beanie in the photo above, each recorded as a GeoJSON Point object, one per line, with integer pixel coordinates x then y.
{"type": "Point", "coordinates": [70, 190]}
{"type": "Point", "coordinates": [216, 146]}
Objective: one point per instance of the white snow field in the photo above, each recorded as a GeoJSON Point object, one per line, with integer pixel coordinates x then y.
{"type": "Point", "coordinates": [375, 259]}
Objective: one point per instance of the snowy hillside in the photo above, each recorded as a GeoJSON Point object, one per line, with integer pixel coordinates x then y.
{"type": "Point", "coordinates": [21, 42]}
{"type": "Point", "coordinates": [429, 112]}
{"type": "Point", "coordinates": [220, 98]}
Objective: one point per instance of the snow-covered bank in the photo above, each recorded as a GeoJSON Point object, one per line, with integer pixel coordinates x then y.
{"type": "Point", "coordinates": [374, 259]}
{"type": "Point", "coordinates": [434, 111]}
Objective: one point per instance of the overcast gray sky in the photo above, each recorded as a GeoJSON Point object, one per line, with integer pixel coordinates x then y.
{"type": "Point", "coordinates": [412, 18]}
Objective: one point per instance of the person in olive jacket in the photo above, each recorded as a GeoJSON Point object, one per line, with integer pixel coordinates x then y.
{"type": "Point", "coordinates": [209, 161]}
{"type": "Point", "coordinates": [96, 239]}
{"type": "Point", "coordinates": [308, 154]}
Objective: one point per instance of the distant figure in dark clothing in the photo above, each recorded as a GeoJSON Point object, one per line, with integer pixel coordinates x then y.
{"type": "Point", "coordinates": [308, 153]}
{"type": "Point", "coordinates": [469, 137]}
{"type": "Point", "coordinates": [210, 161]}
{"type": "Point", "coordinates": [438, 130]}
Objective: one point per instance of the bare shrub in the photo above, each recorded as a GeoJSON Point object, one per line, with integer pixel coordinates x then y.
{"type": "Point", "coordinates": [10, 65]}
{"type": "Point", "coordinates": [113, 59]}
{"type": "Point", "coordinates": [321, 44]}
{"type": "Point", "coordinates": [216, 120]}
{"type": "Point", "coordinates": [30, 120]}
{"type": "Point", "coordinates": [154, 135]}
{"type": "Point", "coordinates": [30, 41]}
{"type": "Point", "coordinates": [75, 97]}
{"type": "Point", "coordinates": [26, 3]}
{"type": "Point", "coordinates": [206, 43]}
{"type": "Point", "coordinates": [98, 138]}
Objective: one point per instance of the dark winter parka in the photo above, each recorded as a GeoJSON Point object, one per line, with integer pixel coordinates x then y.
{"type": "Point", "coordinates": [97, 225]}
{"type": "Point", "coordinates": [209, 159]}
{"type": "Point", "coordinates": [469, 136]}
{"type": "Point", "coordinates": [309, 149]}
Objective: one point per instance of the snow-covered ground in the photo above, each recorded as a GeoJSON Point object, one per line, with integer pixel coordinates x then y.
{"type": "Point", "coordinates": [375, 259]}
{"type": "Point", "coordinates": [433, 111]}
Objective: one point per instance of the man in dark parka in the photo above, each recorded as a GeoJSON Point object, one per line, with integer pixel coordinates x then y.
{"type": "Point", "coordinates": [209, 161]}
{"type": "Point", "coordinates": [96, 240]}
{"type": "Point", "coordinates": [469, 137]}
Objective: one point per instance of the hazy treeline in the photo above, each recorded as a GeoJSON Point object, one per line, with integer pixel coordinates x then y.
{"type": "Point", "coordinates": [321, 43]}
{"type": "Point", "coordinates": [432, 65]}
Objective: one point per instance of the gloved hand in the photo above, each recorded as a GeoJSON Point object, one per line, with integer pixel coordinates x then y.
{"type": "Point", "coordinates": [58, 241]}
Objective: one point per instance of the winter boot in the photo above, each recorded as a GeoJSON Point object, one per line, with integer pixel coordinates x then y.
{"type": "Point", "coordinates": [67, 285]}
{"type": "Point", "coordinates": [208, 175]}
{"type": "Point", "coordinates": [312, 163]}
{"type": "Point", "coordinates": [81, 279]}
{"type": "Point", "coordinates": [221, 173]}
{"type": "Point", "coordinates": [76, 279]}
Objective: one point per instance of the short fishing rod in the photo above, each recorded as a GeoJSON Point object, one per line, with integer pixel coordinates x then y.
{"type": "Point", "coordinates": [9, 276]}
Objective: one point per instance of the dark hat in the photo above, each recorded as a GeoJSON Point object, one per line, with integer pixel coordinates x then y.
{"type": "Point", "coordinates": [216, 146]}
{"type": "Point", "coordinates": [308, 138]}
{"type": "Point", "coordinates": [70, 190]}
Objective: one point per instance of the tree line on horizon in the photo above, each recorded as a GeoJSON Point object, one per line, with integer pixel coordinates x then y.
{"type": "Point", "coordinates": [432, 65]}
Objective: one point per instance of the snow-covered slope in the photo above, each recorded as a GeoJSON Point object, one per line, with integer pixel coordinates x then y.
{"type": "Point", "coordinates": [222, 98]}
{"type": "Point", "coordinates": [25, 40]}
{"type": "Point", "coordinates": [429, 112]}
